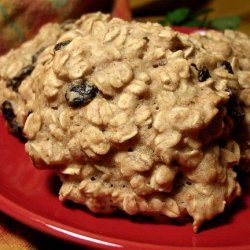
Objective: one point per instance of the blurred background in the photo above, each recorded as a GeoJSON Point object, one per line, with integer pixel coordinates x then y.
{"type": "Point", "coordinates": [155, 9]}
{"type": "Point", "coordinates": [20, 20]}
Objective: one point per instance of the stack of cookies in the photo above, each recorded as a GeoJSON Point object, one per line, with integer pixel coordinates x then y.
{"type": "Point", "coordinates": [133, 116]}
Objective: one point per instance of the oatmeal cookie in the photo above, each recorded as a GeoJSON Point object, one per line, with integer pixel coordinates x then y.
{"type": "Point", "coordinates": [133, 116]}
{"type": "Point", "coordinates": [234, 48]}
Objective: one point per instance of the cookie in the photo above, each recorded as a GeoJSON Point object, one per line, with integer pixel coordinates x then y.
{"type": "Point", "coordinates": [134, 117]}
{"type": "Point", "coordinates": [234, 48]}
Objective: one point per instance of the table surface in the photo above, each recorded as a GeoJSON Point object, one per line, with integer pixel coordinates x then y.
{"type": "Point", "coordinates": [14, 235]}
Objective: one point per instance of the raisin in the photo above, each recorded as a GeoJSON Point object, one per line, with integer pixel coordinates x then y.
{"type": "Point", "coordinates": [159, 63]}
{"type": "Point", "coordinates": [10, 117]}
{"type": "Point", "coordinates": [27, 71]}
{"type": "Point", "coordinates": [7, 111]}
{"type": "Point", "coordinates": [17, 131]}
{"type": "Point", "coordinates": [16, 81]}
{"type": "Point", "coordinates": [177, 44]}
{"type": "Point", "coordinates": [227, 66]}
{"type": "Point", "coordinates": [203, 74]}
{"type": "Point", "coordinates": [13, 83]}
{"type": "Point", "coordinates": [234, 109]}
{"type": "Point", "coordinates": [60, 45]}
{"type": "Point", "coordinates": [80, 93]}
{"type": "Point", "coordinates": [36, 55]}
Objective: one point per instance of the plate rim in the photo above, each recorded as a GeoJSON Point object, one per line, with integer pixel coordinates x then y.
{"type": "Point", "coordinates": [65, 232]}
{"type": "Point", "coordinates": [71, 234]}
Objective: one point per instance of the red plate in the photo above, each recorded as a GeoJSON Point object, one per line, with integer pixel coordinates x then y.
{"type": "Point", "coordinates": [30, 196]}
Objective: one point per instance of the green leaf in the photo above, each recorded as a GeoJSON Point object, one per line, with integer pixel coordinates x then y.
{"type": "Point", "coordinates": [184, 17]}
{"type": "Point", "coordinates": [177, 16]}
{"type": "Point", "coordinates": [223, 23]}
{"type": "Point", "coordinates": [196, 23]}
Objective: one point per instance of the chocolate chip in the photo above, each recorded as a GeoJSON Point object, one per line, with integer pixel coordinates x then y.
{"type": "Point", "coordinates": [60, 45]}
{"type": "Point", "coordinates": [227, 66]}
{"type": "Point", "coordinates": [16, 81]}
{"type": "Point", "coordinates": [79, 93]}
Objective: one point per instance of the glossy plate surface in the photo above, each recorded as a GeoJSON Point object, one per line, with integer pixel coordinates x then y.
{"type": "Point", "coordinates": [30, 196]}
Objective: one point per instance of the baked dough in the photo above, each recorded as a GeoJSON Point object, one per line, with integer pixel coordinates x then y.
{"type": "Point", "coordinates": [234, 48]}
{"type": "Point", "coordinates": [17, 66]}
{"type": "Point", "coordinates": [132, 116]}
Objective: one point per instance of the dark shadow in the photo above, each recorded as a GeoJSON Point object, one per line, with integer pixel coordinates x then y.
{"type": "Point", "coordinates": [226, 217]}
{"type": "Point", "coordinates": [54, 184]}
{"type": "Point", "coordinates": [118, 214]}
{"type": "Point", "coordinates": [235, 207]}
{"type": "Point", "coordinates": [34, 238]}
{"type": "Point", "coordinates": [161, 7]}
{"type": "Point", "coordinates": [244, 180]}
